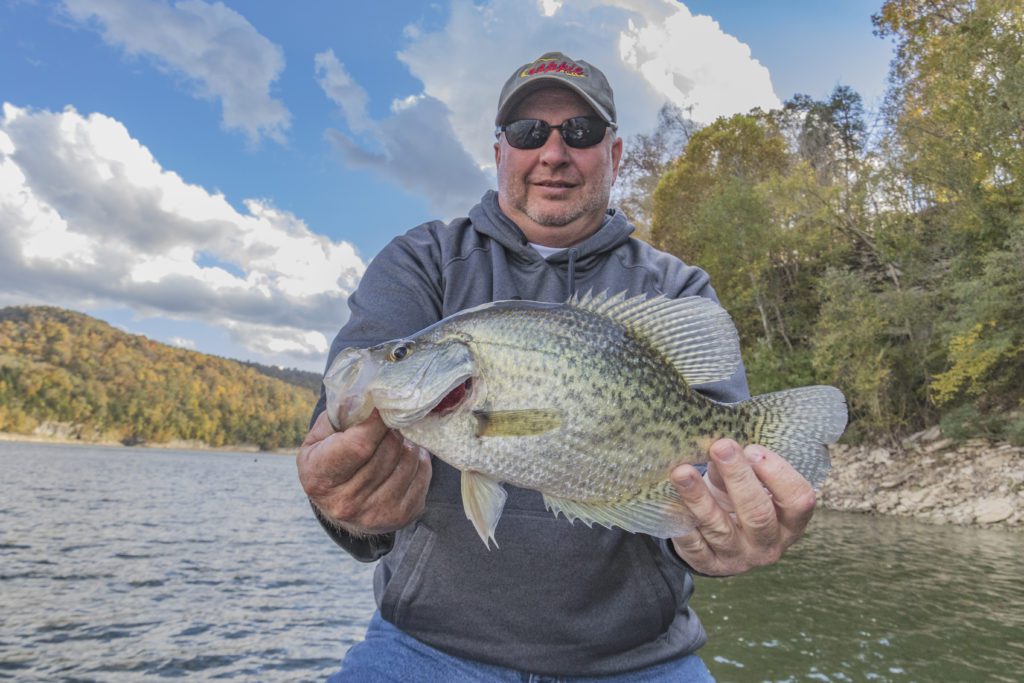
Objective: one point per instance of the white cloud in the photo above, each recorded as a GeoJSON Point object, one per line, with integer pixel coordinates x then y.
{"type": "Point", "coordinates": [182, 342]}
{"type": "Point", "coordinates": [438, 142]}
{"type": "Point", "coordinates": [653, 51]}
{"type": "Point", "coordinates": [214, 46]}
{"type": "Point", "coordinates": [342, 90]}
{"type": "Point", "coordinates": [275, 342]}
{"type": "Point", "coordinates": [89, 217]}
{"type": "Point", "coordinates": [415, 147]}
{"type": "Point", "coordinates": [550, 7]}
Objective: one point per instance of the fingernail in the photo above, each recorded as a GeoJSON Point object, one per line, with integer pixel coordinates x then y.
{"type": "Point", "coordinates": [726, 452]}
{"type": "Point", "coordinates": [683, 477]}
{"type": "Point", "coordinates": [685, 482]}
{"type": "Point", "coordinates": [755, 453]}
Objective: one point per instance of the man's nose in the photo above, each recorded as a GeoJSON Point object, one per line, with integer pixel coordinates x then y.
{"type": "Point", "coordinates": [554, 152]}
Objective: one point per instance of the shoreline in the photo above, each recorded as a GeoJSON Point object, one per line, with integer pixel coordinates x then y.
{"type": "Point", "coordinates": [166, 446]}
{"type": "Point", "coordinates": [975, 483]}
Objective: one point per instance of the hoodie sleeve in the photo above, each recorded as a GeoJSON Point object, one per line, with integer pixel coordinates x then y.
{"type": "Point", "coordinates": [399, 294]}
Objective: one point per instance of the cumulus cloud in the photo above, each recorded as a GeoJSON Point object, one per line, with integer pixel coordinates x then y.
{"type": "Point", "coordinates": [415, 147]}
{"type": "Point", "coordinates": [215, 47]}
{"type": "Point", "coordinates": [338, 85]}
{"type": "Point", "coordinates": [89, 217]}
{"type": "Point", "coordinates": [438, 142]}
{"type": "Point", "coordinates": [653, 52]}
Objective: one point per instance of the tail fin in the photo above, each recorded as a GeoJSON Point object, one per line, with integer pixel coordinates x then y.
{"type": "Point", "coordinates": [798, 424]}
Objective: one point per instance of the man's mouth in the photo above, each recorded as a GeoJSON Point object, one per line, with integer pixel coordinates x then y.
{"type": "Point", "coordinates": [555, 184]}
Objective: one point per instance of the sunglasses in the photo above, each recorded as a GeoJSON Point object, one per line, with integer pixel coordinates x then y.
{"type": "Point", "coordinates": [578, 132]}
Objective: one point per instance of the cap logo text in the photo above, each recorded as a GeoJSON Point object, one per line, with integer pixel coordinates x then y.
{"type": "Point", "coordinates": [553, 66]}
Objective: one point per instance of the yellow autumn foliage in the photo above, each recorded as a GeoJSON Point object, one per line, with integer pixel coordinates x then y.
{"type": "Point", "coordinates": [64, 367]}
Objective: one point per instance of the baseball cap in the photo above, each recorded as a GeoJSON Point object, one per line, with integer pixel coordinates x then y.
{"type": "Point", "coordinates": [555, 69]}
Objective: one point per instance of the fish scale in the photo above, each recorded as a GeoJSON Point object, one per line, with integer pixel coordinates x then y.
{"type": "Point", "coordinates": [589, 402]}
{"type": "Point", "coordinates": [539, 371]}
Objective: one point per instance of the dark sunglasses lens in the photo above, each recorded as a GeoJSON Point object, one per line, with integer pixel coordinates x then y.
{"type": "Point", "coordinates": [578, 132]}
{"type": "Point", "coordinates": [582, 131]}
{"type": "Point", "coordinates": [527, 133]}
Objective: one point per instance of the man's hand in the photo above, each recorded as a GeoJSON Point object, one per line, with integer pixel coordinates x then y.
{"type": "Point", "coordinates": [760, 508]}
{"type": "Point", "coordinates": [367, 479]}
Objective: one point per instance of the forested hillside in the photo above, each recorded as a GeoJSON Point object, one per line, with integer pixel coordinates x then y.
{"type": "Point", "coordinates": [65, 367]}
{"type": "Point", "coordinates": [882, 252]}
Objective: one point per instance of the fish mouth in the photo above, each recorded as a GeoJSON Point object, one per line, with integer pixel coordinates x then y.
{"type": "Point", "coordinates": [347, 382]}
{"type": "Point", "coordinates": [453, 399]}
{"type": "Point", "coordinates": [450, 399]}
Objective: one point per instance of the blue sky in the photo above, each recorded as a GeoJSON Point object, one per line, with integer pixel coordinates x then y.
{"type": "Point", "coordinates": [217, 175]}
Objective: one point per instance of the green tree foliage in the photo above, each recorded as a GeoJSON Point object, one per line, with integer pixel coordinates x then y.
{"type": "Point", "coordinates": [956, 118]}
{"type": "Point", "coordinates": [985, 359]}
{"type": "Point", "coordinates": [738, 203]}
{"type": "Point", "coordinates": [884, 256]}
{"type": "Point", "coordinates": [956, 107]}
{"type": "Point", "coordinates": [65, 367]}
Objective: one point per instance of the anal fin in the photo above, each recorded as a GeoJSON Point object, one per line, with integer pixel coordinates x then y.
{"type": "Point", "coordinates": [657, 511]}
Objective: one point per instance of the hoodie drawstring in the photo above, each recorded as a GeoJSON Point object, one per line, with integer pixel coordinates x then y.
{"type": "Point", "coordinates": [573, 253]}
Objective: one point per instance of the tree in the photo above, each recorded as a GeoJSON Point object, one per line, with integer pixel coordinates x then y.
{"type": "Point", "coordinates": [956, 110]}
{"type": "Point", "coordinates": [735, 203]}
{"type": "Point", "coordinates": [61, 366]}
{"type": "Point", "coordinates": [645, 159]}
{"type": "Point", "coordinates": [956, 113]}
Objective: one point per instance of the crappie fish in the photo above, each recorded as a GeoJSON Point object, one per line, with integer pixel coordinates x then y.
{"type": "Point", "coordinates": [589, 402]}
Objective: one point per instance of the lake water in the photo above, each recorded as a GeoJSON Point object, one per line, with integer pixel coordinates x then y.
{"type": "Point", "coordinates": [121, 564]}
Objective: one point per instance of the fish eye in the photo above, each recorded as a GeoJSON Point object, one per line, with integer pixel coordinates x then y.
{"type": "Point", "coordinates": [400, 351]}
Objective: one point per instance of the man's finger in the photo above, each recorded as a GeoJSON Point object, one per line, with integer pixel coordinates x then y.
{"type": "Point", "coordinates": [711, 521]}
{"type": "Point", "coordinates": [366, 436]}
{"type": "Point", "coordinates": [792, 494]}
{"type": "Point", "coordinates": [320, 430]}
{"type": "Point", "coordinates": [391, 484]}
{"type": "Point", "coordinates": [416, 494]}
{"type": "Point", "coordinates": [378, 468]}
{"type": "Point", "coordinates": [401, 496]}
{"type": "Point", "coordinates": [338, 457]}
{"type": "Point", "coordinates": [755, 509]}
{"type": "Point", "coordinates": [691, 546]}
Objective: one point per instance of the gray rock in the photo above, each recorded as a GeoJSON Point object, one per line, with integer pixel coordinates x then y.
{"type": "Point", "coordinates": [992, 511]}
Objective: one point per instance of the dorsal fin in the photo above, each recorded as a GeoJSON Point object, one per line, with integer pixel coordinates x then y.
{"type": "Point", "coordinates": [696, 335]}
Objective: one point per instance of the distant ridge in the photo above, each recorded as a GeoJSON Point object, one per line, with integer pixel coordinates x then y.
{"type": "Point", "coordinates": [300, 378]}
{"type": "Point", "coordinates": [65, 372]}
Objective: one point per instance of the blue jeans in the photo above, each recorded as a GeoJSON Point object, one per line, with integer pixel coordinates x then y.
{"type": "Point", "coordinates": [389, 655]}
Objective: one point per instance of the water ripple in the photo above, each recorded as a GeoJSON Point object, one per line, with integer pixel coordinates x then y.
{"type": "Point", "coordinates": [92, 538]}
{"type": "Point", "coordinates": [170, 535]}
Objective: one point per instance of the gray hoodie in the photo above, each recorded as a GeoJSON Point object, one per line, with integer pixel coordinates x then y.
{"type": "Point", "coordinates": [556, 598]}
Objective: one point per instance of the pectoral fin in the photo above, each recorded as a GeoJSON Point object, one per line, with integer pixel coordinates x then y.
{"type": "Point", "coordinates": [657, 511]}
{"type": "Point", "coordinates": [483, 499]}
{"type": "Point", "coordinates": [527, 422]}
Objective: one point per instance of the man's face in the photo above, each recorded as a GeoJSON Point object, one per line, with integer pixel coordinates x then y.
{"type": "Point", "coordinates": [556, 194]}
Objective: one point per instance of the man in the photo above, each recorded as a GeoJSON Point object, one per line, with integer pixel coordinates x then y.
{"type": "Point", "coordinates": [556, 599]}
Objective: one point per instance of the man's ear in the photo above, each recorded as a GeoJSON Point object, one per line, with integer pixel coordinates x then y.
{"type": "Point", "coordinates": [497, 154]}
{"type": "Point", "coordinates": [616, 157]}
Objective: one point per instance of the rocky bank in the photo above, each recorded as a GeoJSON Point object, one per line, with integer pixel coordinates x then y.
{"type": "Point", "coordinates": [928, 477]}
{"type": "Point", "coordinates": [931, 478]}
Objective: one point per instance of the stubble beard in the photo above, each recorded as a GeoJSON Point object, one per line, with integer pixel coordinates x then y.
{"type": "Point", "coordinates": [594, 199]}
